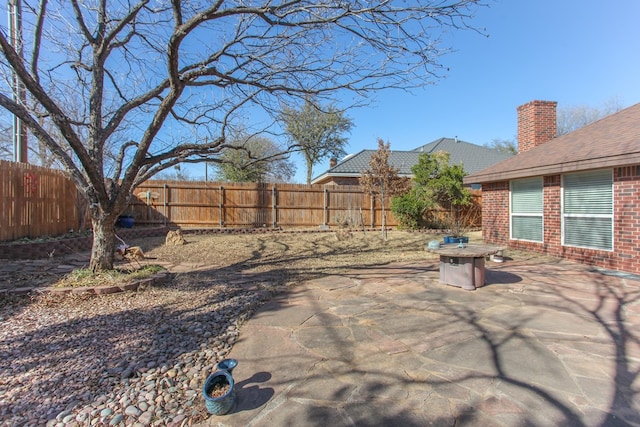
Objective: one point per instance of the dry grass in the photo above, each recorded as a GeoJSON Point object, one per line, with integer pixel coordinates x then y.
{"type": "Point", "coordinates": [85, 277]}
{"type": "Point", "coordinates": [285, 257]}
{"type": "Point", "coordinates": [299, 255]}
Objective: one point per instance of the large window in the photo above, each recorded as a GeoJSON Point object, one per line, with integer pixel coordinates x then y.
{"type": "Point", "coordinates": [526, 209]}
{"type": "Point", "coordinates": [587, 209]}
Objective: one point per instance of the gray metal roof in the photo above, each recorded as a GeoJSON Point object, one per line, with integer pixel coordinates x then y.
{"type": "Point", "coordinates": [357, 163]}
{"type": "Point", "coordinates": [473, 158]}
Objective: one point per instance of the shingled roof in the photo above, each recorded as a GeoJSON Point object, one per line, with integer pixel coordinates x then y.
{"type": "Point", "coordinates": [611, 141]}
{"type": "Point", "coordinates": [472, 157]}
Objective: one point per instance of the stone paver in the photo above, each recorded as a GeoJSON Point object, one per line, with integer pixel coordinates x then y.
{"type": "Point", "coordinates": [539, 345]}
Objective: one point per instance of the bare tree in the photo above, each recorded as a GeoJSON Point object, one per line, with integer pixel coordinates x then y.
{"type": "Point", "coordinates": [508, 146]}
{"type": "Point", "coordinates": [382, 180]}
{"type": "Point", "coordinates": [6, 142]}
{"type": "Point", "coordinates": [177, 173]}
{"type": "Point", "coordinates": [161, 83]}
{"type": "Point", "coordinates": [39, 153]}
{"type": "Point", "coordinates": [575, 117]}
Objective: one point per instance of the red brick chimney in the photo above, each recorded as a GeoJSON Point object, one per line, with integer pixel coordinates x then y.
{"type": "Point", "coordinates": [536, 124]}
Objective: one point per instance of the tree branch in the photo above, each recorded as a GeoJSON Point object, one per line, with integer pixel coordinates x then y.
{"type": "Point", "coordinates": [37, 40]}
{"type": "Point", "coordinates": [42, 135]}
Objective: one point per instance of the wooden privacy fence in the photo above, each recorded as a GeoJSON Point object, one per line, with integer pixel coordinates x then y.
{"type": "Point", "coordinates": [36, 202]}
{"type": "Point", "coordinates": [215, 204]}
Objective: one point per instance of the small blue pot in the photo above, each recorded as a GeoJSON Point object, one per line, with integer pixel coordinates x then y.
{"type": "Point", "coordinates": [223, 404]}
{"type": "Point", "coordinates": [125, 221]}
{"type": "Point", "coordinates": [452, 239]}
{"type": "Point", "coordinates": [227, 365]}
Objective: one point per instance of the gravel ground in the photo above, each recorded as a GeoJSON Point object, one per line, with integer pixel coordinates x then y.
{"type": "Point", "coordinates": [141, 358]}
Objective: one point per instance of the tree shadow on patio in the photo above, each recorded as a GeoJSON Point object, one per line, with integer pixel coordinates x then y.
{"type": "Point", "coordinates": [562, 349]}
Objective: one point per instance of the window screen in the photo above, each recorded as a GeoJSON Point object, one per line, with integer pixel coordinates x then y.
{"type": "Point", "coordinates": [527, 209]}
{"type": "Point", "coordinates": [587, 205]}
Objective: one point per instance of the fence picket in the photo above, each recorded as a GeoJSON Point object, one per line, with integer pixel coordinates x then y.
{"type": "Point", "coordinates": [277, 205]}
{"type": "Point", "coordinates": [36, 202]}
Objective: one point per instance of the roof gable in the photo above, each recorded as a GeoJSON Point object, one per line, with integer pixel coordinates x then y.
{"type": "Point", "coordinates": [403, 160]}
{"type": "Point", "coordinates": [608, 142]}
{"type": "Point", "coordinates": [472, 157]}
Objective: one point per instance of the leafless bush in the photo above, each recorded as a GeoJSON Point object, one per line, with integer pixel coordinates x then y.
{"type": "Point", "coordinates": [350, 219]}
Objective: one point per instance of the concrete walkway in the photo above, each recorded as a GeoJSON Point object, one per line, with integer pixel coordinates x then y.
{"type": "Point", "coordinates": [543, 344]}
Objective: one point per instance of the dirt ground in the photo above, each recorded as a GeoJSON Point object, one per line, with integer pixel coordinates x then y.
{"type": "Point", "coordinates": [296, 256]}
{"type": "Point", "coordinates": [290, 256]}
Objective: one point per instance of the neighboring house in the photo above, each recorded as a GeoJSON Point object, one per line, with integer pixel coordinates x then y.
{"type": "Point", "coordinates": [576, 196]}
{"type": "Point", "coordinates": [472, 157]}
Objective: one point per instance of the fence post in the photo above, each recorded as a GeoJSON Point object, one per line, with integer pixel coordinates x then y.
{"type": "Point", "coordinates": [221, 206]}
{"type": "Point", "coordinates": [273, 206]}
{"type": "Point", "coordinates": [326, 205]}
{"type": "Point", "coordinates": [164, 197]}
{"type": "Point", "coordinates": [373, 210]}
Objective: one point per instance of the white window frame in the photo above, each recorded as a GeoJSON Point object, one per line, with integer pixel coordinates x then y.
{"type": "Point", "coordinates": [566, 215]}
{"type": "Point", "coordinates": [533, 212]}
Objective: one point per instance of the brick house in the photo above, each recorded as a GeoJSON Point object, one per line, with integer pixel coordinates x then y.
{"type": "Point", "coordinates": [576, 196]}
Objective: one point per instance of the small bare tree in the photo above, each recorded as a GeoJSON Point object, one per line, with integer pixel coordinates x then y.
{"type": "Point", "coordinates": [382, 180]}
{"type": "Point", "coordinates": [574, 117]}
{"type": "Point", "coordinates": [119, 91]}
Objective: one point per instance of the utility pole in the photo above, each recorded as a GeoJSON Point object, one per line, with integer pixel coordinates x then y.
{"type": "Point", "coordinates": [20, 143]}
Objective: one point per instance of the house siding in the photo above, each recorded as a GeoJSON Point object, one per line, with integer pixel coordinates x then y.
{"type": "Point", "coordinates": [626, 220]}
{"type": "Point", "coordinates": [339, 180]}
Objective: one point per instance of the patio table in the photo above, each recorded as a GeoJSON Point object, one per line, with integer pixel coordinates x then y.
{"type": "Point", "coordinates": [464, 266]}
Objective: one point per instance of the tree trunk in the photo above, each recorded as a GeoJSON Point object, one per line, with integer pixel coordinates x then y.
{"type": "Point", "coordinates": [384, 214]}
{"type": "Point", "coordinates": [384, 225]}
{"type": "Point", "coordinates": [309, 172]}
{"type": "Point", "coordinates": [103, 250]}
{"type": "Point", "coordinates": [309, 164]}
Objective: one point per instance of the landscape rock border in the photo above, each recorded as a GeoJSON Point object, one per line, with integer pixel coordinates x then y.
{"type": "Point", "coordinates": [53, 248]}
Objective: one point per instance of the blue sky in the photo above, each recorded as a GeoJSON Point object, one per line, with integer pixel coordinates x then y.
{"type": "Point", "coordinates": [575, 52]}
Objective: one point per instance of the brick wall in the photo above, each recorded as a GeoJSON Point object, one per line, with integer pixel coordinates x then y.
{"type": "Point", "coordinates": [537, 124]}
{"type": "Point", "coordinates": [495, 218]}
{"type": "Point", "coordinates": [624, 257]}
{"type": "Point", "coordinates": [552, 214]}
{"type": "Point", "coordinates": [626, 185]}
